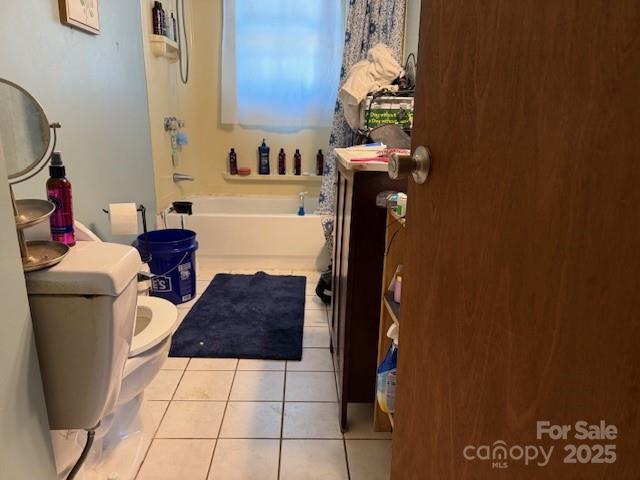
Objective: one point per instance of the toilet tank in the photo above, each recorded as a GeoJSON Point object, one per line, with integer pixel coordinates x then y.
{"type": "Point", "coordinates": [83, 313]}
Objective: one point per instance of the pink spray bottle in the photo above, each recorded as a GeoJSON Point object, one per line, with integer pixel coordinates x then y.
{"type": "Point", "coordinates": [59, 193]}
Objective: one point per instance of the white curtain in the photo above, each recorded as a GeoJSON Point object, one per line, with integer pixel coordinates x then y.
{"type": "Point", "coordinates": [280, 62]}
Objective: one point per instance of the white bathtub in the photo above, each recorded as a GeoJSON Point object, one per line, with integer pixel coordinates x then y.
{"type": "Point", "coordinates": [256, 232]}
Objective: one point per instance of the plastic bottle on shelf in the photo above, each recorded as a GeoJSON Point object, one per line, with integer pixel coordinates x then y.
{"type": "Point", "coordinates": [297, 162]}
{"type": "Point", "coordinates": [158, 20]}
{"type": "Point", "coordinates": [233, 162]}
{"type": "Point", "coordinates": [263, 159]}
{"type": "Point", "coordinates": [282, 162]}
{"type": "Point", "coordinates": [320, 163]}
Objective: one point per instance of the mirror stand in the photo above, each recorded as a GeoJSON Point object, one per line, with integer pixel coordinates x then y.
{"type": "Point", "coordinates": [26, 147]}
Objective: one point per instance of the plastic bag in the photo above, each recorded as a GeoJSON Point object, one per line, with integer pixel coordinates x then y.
{"type": "Point", "coordinates": [386, 380]}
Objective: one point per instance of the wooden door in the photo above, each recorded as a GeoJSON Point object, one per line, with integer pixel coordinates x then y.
{"type": "Point", "coordinates": [521, 298]}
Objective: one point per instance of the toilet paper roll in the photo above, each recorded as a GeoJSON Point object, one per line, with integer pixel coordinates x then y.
{"type": "Point", "coordinates": [123, 218]}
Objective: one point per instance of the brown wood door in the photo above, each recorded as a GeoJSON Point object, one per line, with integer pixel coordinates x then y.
{"type": "Point", "coordinates": [521, 299]}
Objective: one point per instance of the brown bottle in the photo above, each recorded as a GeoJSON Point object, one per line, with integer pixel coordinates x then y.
{"type": "Point", "coordinates": [297, 162]}
{"type": "Point", "coordinates": [282, 162]}
{"type": "Point", "coordinates": [319, 163]}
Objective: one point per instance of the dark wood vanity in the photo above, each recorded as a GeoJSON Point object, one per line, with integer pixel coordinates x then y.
{"type": "Point", "coordinates": [358, 251]}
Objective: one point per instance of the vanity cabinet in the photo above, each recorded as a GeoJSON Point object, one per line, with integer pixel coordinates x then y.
{"type": "Point", "coordinates": [358, 251]}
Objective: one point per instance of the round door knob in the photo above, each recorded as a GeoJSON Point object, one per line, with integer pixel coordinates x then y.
{"type": "Point", "coordinates": [418, 165]}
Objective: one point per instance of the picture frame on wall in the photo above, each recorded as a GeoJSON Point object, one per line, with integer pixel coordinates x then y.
{"type": "Point", "coordinates": [81, 14]}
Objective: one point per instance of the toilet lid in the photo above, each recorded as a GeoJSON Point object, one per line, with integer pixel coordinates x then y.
{"type": "Point", "coordinates": [155, 320]}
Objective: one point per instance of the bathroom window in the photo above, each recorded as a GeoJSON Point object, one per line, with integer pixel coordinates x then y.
{"type": "Point", "coordinates": [281, 62]}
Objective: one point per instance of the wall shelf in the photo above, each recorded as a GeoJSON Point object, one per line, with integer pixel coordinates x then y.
{"type": "Point", "coordinates": [162, 46]}
{"type": "Point", "coordinates": [390, 310]}
{"type": "Point", "coordinates": [273, 178]}
{"type": "Point", "coordinates": [392, 307]}
{"type": "Point", "coordinates": [401, 220]}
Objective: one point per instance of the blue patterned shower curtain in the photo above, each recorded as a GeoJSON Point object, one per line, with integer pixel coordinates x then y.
{"type": "Point", "coordinates": [369, 22]}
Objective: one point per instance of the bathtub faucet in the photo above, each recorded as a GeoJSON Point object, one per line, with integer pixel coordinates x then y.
{"type": "Point", "coordinates": [181, 177]}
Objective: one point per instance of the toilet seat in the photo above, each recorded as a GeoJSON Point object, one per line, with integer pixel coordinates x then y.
{"type": "Point", "coordinates": [155, 320]}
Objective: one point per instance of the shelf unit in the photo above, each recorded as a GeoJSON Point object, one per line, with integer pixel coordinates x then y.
{"type": "Point", "coordinates": [273, 178]}
{"type": "Point", "coordinates": [162, 46]}
{"type": "Point", "coordinates": [393, 308]}
{"type": "Point", "coordinates": [390, 310]}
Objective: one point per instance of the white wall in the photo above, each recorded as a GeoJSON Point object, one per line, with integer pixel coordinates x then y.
{"type": "Point", "coordinates": [94, 86]}
{"type": "Point", "coordinates": [412, 28]}
{"type": "Point", "coordinates": [25, 449]}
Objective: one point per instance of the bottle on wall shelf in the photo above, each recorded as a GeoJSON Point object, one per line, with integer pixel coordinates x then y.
{"type": "Point", "coordinates": [263, 159]}
{"type": "Point", "coordinates": [168, 27]}
{"type": "Point", "coordinates": [157, 14]}
{"type": "Point", "coordinates": [319, 163]}
{"type": "Point", "coordinates": [297, 162]}
{"type": "Point", "coordinates": [174, 27]}
{"type": "Point", "coordinates": [233, 162]}
{"type": "Point", "coordinates": [282, 162]}
{"type": "Point", "coordinates": [59, 193]}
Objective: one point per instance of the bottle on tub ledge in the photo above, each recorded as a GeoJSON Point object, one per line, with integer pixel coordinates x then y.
{"type": "Point", "coordinates": [263, 159]}
{"type": "Point", "coordinates": [297, 162]}
{"type": "Point", "coordinates": [233, 162]}
{"type": "Point", "coordinates": [319, 163]}
{"type": "Point", "coordinates": [282, 162]}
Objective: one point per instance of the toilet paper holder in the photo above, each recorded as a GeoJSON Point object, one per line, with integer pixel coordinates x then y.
{"type": "Point", "coordinates": [143, 212]}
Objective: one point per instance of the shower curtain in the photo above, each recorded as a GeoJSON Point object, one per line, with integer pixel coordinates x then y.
{"type": "Point", "coordinates": [369, 22]}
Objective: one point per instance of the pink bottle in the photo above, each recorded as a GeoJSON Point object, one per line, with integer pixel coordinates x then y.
{"type": "Point", "coordinates": [59, 193]}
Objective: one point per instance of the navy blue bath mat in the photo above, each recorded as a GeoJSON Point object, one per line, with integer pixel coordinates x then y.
{"type": "Point", "coordinates": [245, 316]}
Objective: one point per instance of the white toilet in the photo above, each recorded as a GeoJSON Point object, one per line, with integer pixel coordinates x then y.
{"type": "Point", "coordinates": [99, 345]}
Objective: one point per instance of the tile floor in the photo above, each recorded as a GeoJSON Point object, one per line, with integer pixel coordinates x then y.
{"type": "Point", "coordinates": [229, 419]}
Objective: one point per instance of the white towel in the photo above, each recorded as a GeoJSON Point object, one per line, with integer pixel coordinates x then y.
{"type": "Point", "coordinates": [376, 72]}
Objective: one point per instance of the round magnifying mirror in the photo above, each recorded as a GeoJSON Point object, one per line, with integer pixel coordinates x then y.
{"type": "Point", "coordinates": [24, 130]}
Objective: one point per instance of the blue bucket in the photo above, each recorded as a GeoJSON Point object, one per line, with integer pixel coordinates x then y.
{"type": "Point", "coordinates": [173, 263]}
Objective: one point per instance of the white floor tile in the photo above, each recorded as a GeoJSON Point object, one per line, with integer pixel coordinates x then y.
{"type": "Point", "coordinates": [252, 420]}
{"type": "Point", "coordinates": [207, 269]}
{"type": "Point", "coordinates": [163, 386]}
{"type": "Point", "coordinates": [192, 420]}
{"type": "Point", "coordinates": [313, 360]}
{"type": "Point", "coordinates": [204, 385]}
{"type": "Point", "coordinates": [245, 460]}
{"type": "Point", "coordinates": [310, 387]}
{"type": "Point", "coordinates": [360, 423]}
{"type": "Point", "coordinates": [369, 459]}
{"type": "Point", "coordinates": [311, 420]}
{"type": "Point", "coordinates": [312, 275]}
{"type": "Point", "coordinates": [313, 460]}
{"type": "Point", "coordinates": [258, 386]}
{"type": "Point", "coordinates": [175, 363]}
{"type": "Point", "coordinates": [155, 410]}
{"type": "Point", "coordinates": [316, 337]}
{"type": "Point", "coordinates": [312, 301]}
{"type": "Point", "coordinates": [261, 365]}
{"type": "Point", "coordinates": [213, 364]}
{"type": "Point", "coordinates": [315, 318]}
{"type": "Point", "coordinates": [201, 286]}
{"type": "Point", "coordinates": [170, 459]}
{"type": "Point", "coordinates": [182, 314]}
{"type": "Point", "coordinates": [277, 271]}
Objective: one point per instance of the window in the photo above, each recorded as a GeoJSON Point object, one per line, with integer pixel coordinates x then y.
{"type": "Point", "coordinates": [281, 62]}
